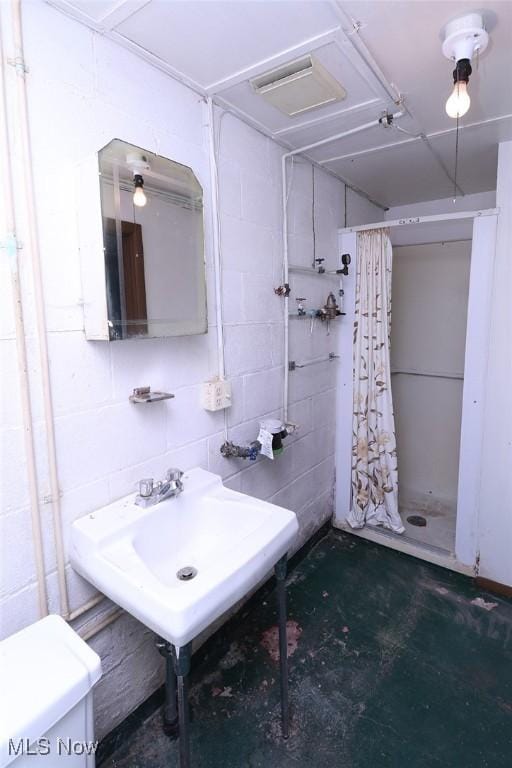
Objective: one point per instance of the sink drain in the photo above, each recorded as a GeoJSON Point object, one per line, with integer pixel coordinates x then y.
{"type": "Point", "coordinates": [186, 573]}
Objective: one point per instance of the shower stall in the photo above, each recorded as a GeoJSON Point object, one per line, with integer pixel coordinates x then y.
{"type": "Point", "coordinates": [438, 340]}
{"type": "Point", "coordinates": [430, 288]}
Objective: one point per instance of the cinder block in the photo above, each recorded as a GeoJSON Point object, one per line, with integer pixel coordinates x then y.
{"type": "Point", "coordinates": [230, 189]}
{"type": "Point", "coordinates": [246, 246]}
{"type": "Point", "coordinates": [324, 408]}
{"type": "Point", "coordinates": [185, 457]}
{"type": "Point", "coordinates": [18, 611]}
{"type": "Point", "coordinates": [263, 392]}
{"type": "Point", "coordinates": [80, 372]}
{"type": "Point", "coordinates": [261, 199]}
{"type": "Point", "coordinates": [163, 364]}
{"type": "Point", "coordinates": [248, 348]}
{"type": "Point", "coordinates": [260, 303]}
{"type": "Point", "coordinates": [188, 421]}
{"type": "Point", "coordinates": [233, 309]}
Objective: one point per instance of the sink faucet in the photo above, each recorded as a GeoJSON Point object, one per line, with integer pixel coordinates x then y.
{"type": "Point", "coordinates": [151, 493]}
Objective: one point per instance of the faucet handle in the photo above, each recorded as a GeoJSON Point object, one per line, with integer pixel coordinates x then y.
{"type": "Point", "coordinates": [173, 475]}
{"type": "Point", "coordinates": [146, 487]}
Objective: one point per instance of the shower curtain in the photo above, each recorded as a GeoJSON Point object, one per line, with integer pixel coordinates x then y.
{"type": "Point", "coordinates": [374, 459]}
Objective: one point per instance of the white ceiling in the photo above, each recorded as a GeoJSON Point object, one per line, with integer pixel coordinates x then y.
{"type": "Point", "coordinates": [378, 50]}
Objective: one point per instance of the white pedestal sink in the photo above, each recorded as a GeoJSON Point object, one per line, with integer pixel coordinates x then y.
{"type": "Point", "coordinates": [180, 564]}
{"type": "Point", "coordinates": [133, 555]}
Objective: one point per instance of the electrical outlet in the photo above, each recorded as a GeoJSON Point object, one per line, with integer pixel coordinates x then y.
{"type": "Point", "coordinates": [216, 395]}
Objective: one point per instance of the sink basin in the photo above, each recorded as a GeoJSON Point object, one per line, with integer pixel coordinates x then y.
{"type": "Point", "coordinates": [179, 565]}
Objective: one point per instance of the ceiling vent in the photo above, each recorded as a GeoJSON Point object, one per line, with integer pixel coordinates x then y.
{"type": "Point", "coordinates": [299, 86]}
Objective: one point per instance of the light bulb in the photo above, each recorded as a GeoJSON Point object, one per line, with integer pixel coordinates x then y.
{"type": "Point", "coordinates": [139, 197]}
{"type": "Point", "coordinates": [458, 103]}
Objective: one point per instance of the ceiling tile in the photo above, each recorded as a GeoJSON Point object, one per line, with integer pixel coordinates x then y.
{"type": "Point", "coordinates": [478, 153]}
{"type": "Point", "coordinates": [210, 41]}
{"type": "Point", "coordinates": [405, 174]}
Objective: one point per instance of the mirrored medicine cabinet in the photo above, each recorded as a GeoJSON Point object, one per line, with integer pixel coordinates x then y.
{"type": "Point", "coordinates": [152, 282]}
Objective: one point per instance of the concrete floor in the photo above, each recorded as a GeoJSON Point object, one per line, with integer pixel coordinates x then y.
{"type": "Point", "coordinates": [393, 662]}
{"type": "Point", "coordinates": [440, 528]}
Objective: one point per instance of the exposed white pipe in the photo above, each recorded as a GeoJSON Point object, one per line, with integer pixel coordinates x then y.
{"type": "Point", "coordinates": [286, 284]}
{"type": "Point", "coordinates": [341, 135]}
{"type": "Point", "coordinates": [86, 607]}
{"type": "Point", "coordinates": [103, 622]}
{"type": "Point", "coordinates": [11, 246]}
{"type": "Point", "coordinates": [33, 241]}
{"type": "Point", "coordinates": [284, 158]}
{"type": "Point", "coordinates": [214, 184]}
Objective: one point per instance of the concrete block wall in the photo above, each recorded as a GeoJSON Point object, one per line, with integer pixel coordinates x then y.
{"type": "Point", "coordinates": [84, 91]}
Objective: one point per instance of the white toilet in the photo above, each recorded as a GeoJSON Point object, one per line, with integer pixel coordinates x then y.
{"type": "Point", "coordinates": [47, 673]}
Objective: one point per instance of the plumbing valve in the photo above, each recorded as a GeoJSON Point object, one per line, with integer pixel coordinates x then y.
{"type": "Point", "coordinates": [231, 451]}
{"type": "Point", "coordinates": [283, 290]}
{"type": "Point", "coordinates": [331, 307]}
{"type": "Point", "coordinates": [278, 431]}
{"type": "Point", "coordinates": [254, 450]}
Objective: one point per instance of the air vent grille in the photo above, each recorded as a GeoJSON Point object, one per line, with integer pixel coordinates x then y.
{"type": "Point", "coordinates": [299, 86]}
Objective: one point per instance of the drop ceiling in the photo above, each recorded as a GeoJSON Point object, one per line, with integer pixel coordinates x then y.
{"type": "Point", "coordinates": [381, 52]}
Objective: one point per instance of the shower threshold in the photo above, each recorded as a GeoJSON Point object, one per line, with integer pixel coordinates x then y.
{"type": "Point", "coordinates": [409, 546]}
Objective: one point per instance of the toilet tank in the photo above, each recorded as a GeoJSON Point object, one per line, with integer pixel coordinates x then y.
{"type": "Point", "coordinates": [47, 673]}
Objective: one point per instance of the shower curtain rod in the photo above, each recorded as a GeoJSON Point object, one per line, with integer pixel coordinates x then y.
{"type": "Point", "coordinates": [406, 221]}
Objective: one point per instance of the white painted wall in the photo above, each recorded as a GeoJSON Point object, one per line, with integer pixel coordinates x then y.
{"type": "Point", "coordinates": [83, 92]}
{"type": "Point", "coordinates": [495, 517]}
{"type": "Point", "coordinates": [428, 335]}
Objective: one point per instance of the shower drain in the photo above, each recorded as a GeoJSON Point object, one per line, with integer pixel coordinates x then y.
{"type": "Point", "coordinates": [417, 520]}
{"type": "Point", "coordinates": [186, 573]}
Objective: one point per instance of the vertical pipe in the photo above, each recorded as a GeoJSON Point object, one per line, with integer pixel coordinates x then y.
{"type": "Point", "coordinates": [170, 710]}
{"type": "Point", "coordinates": [12, 254]}
{"type": "Point", "coordinates": [280, 570]}
{"type": "Point", "coordinates": [39, 303]}
{"type": "Point", "coordinates": [285, 283]}
{"type": "Point", "coordinates": [182, 658]}
{"type": "Point", "coordinates": [184, 744]}
{"type": "Point", "coordinates": [214, 184]}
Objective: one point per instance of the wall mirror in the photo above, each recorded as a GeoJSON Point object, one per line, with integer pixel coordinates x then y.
{"type": "Point", "coordinates": [153, 244]}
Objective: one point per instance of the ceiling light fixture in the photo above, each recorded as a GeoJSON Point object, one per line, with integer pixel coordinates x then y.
{"type": "Point", "coordinates": [139, 197]}
{"type": "Point", "coordinates": [459, 101]}
{"type": "Point", "coordinates": [137, 163]}
{"type": "Point", "coordinates": [463, 38]}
